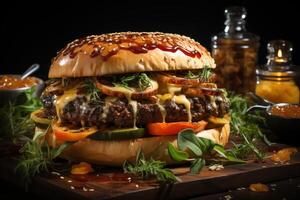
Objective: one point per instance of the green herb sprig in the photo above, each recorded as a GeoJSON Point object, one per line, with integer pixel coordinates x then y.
{"type": "Point", "coordinates": [203, 74]}
{"type": "Point", "coordinates": [248, 126]}
{"type": "Point", "coordinates": [198, 148]}
{"type": "Point", "coordinates": [146, 168]}
{"type": "Point", "coordinates": [15, 119]}
{"type": "Point", "coordinates": [37, 157]}
{"type": "Point", "coordinates": [92, 89]}
{"type": "Point", "coordinates": [141, 80]}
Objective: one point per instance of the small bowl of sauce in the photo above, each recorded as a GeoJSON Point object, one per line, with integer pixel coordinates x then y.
{"type": "Point", "coordinates": [284, 121]}
{"type": "Point", "coordinates": [12, 86]}
{"type": "Point", "coordinates": [291, 111]}
{"type": "Point", "coordinates": [9, 82]}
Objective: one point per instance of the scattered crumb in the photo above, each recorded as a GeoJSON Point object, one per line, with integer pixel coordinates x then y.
{"type": "Point", "coordinates": [91, 190]}
{"type": "Point", "coordinates": [216, 167]}
{"type": "Point", "coordinates": [241, 188]}
{"type": "Point", "coordinates": [85, 189]}
{"type": "Point", "coordinates": [62, 177]}
{"type": "Point", "coordinates": [69, 181]}
{"type": "Point", "coordinates": [228, 197]}
{"type": "Point", "coordinates": [263, 166]}
{"type": "Point", "coordinates": [72, 187]}
{"type": "Point", "coordinates": [273, 185]}
{"type": "Point", "coordinates": [55, 173]}
{"type": "Point", "coordinates": [273, 189]}
{"type": "Point", "coordinates": [137, 186]}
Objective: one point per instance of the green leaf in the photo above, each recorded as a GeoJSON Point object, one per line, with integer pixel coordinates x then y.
{"type": "Point", "coordinates": [222, 152]}
{"type": "Point", "coordinates": [187, 140]}
{"type": "Point", "coordinates": [176, 154]}
{"type": "Point", "coordinates": [197, 165]}
{"type": "Point", "coordinates": [206, 144]}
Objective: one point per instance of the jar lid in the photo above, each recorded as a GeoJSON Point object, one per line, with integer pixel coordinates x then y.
{"type": "Point", "coordinates": [279, 62]}
{"type": "Point", "coordinates": [269, 73]}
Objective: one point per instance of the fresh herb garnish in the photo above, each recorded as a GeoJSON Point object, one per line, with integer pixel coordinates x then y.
{"type": "Point", "coordinates": [146, 168]}
{"type": "Point", "coordinates": [138, 80]}
{"type": "Point", "coordinates": [92, 89]}
{"type": "Point", "coordinates": [15, 119]}
{"type": "Point", "coordinates": [37, 157]}
{"type": "Point", "coordinates": [203, 74]}
{"type": "Point", "coordinates": [248, 126]}
{"type": "Point", "coordinates": [198, 148]}
{"type": "Point", "coordinates": [66, 81]}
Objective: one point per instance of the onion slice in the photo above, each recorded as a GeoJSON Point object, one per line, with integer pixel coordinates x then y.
{"type": "Point", "coordinates": [129, 93]}
{"type": "Point", "coordinates": [200, 91]}
{"type": "Point", "coordinates": [164, 78]}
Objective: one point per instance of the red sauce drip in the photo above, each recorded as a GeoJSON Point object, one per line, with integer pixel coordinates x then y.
{"type": "Point", "coordinates": [102, 179]}
{"type": "Point", "coordinates": [82, 177]}
{"type": "Point", "coordinates": [108, 45]}
{"type": "Point", "coordinates": [121, 177]}
{"type": "Point", "coordinates": [90, 177]}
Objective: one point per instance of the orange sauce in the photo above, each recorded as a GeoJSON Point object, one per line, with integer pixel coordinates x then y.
{"type": "Point", "coordinates": [259, 187]}
{"type": "Point", "coordinates": [287, 111]}
{"type": "Point", "coordinates": [82, 168]}
{"type": "Point", "coordinates": [284, 155]}
{"type": "Point", "coordinates": [14, 82]}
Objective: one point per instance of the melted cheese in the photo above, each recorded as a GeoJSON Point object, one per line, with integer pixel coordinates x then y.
{"type": "Point", "coordinates": [134, 110]}
{"type": "Point", "coordinates": [181, 99]}
{"type": "Point", "coordinates": [163, 111]}
{"type": "Point", "coordinates": [107, 102]}
{"type": "Point", "coordinates": [68, 96]}
{"type": "Point", "coordinates": [213, 102]}
{"type": "Point", "coordinates": [164, 97]}
{"type": "Point", "coordinates": [63, 100]}
{"type": "Point", "coordinates": [172, 89]}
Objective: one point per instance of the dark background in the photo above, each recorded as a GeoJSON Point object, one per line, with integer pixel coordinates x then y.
{"type": "Point", "coordinates": [34, 33]}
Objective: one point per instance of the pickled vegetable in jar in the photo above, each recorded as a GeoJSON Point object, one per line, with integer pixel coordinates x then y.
{"type": "Point", "coordinates": [277, 79]}
{"type": "Point", "coordinates": [235, 53]}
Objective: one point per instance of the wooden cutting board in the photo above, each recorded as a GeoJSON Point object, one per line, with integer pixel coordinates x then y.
{"type": "Point", "coordinates": [234, 176]}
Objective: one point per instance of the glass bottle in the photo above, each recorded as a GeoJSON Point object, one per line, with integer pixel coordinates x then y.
{"type": "Point", "coordinates": [278, 80]}
{"type": "Point", "coordinates": [235, 53]}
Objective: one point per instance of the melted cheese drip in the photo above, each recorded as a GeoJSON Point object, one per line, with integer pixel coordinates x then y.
{"type": "Point", "coordinates": [134, 110]}
{"type": "Point", "coordinates": [213, 102]}
{"type": "Point", "coordinates": [163, 111]}
{"type": "Point", "coordinates": [63, 100]}
{"type": "Point", "coordinates": [172, 89]}
{"type": "Point", "coordinates": [181, 99]}
{"type": "Point", "coordinates": [128, 93]}
{"type": "Point", "coordinates": [107, 103]}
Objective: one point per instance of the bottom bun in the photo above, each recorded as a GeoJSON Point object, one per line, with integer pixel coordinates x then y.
{"type": "Point", "coordinates": [114, 153]}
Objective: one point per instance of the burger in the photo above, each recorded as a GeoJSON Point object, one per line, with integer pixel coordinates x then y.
{"type": "Point", "coordinates": [115, 94]}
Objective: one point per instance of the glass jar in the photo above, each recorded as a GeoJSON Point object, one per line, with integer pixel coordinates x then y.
{"type": "Point", "coordinates": [278, 79]}
{"type": "Point", "coordinates": [235, 53]}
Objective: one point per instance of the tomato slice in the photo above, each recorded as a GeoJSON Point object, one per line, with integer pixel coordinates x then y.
{"type": "Point", "coordinates": [173, 128]}
{"type": "Point", "coordinates": [71, 135]}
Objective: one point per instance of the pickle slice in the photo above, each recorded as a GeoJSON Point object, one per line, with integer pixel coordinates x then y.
{"type": "Point", "coordinates": [40, 122]}
{"type": "Point", "coordinates": [119, 134]}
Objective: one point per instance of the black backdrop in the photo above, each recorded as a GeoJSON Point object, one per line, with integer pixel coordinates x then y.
{"type": "Point", "coordinates": [35, 33]}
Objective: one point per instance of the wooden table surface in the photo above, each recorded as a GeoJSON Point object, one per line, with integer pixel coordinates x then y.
{"type": "Point", "coordinates": [283, 180]}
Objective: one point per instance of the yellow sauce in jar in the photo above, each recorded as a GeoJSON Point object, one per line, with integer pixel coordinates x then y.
{"type": "Point", "coordinates": [278, 91]}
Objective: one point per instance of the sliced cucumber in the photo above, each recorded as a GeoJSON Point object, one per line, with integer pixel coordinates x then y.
{"type": "Point", "coordinates": [119, 134]}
